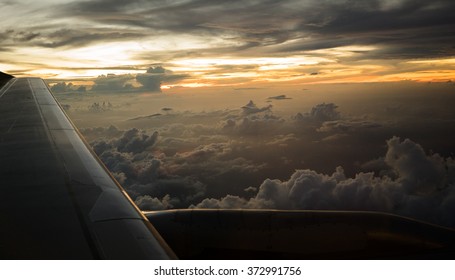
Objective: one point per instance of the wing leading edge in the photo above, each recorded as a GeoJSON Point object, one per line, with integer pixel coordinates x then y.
{"type": "Point", "coordinates": [57, 199]}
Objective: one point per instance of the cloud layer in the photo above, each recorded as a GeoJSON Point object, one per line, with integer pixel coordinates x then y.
{"type": "Point", "coordinates": [403, 28]}
{"type": "Point", "coordinates": [223, 163]}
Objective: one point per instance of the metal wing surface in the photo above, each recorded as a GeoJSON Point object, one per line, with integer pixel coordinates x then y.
{"type": "Point", "coordinates": [57, 200]}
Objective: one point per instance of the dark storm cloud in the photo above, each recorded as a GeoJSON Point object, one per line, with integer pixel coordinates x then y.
{"type": "Point", "coordinates": [155, 76]}
{"type": "Point", "coordinates": [400, 29]}
{"type": "Point", "coordinates": [150, 81]}
{"type": "Point", "coordinates": [111, 82]}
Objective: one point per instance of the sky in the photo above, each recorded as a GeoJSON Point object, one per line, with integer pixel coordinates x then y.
{"type": "Point", "coordinates": [202, 43]}
{"type": "Point", "coordinates": [339, 105]}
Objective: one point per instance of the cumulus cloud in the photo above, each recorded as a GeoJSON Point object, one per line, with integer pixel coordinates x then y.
{"type": "Point", "coordinates": [229, 151]}
{"type": "Point", "coordinates": [152, 79]}
{"type": "Point", "coordinates": [226, 156]}
{"type": "Point", "coordinates": [324, 112]}
{"type": "Point", "coordinates": [251, 121]}
{"type": "Point", "coordinates": [251, 108]}
{"type": "Point", "coordinates": [155, 76]}
{"type": "Point", "coordinates": [227, 202]}
{"type": "Point", "coordinates": [149, 81]}
{"type": "Point", "coordinates": [418, 172]}
{"type": "Point", "coordinates": [215, 164]}
{"type": "Point", "coordinates": [148, 183]}
{"type": "Point", "coordinates": [146, 202]}
{"type": "Point", "coordinates": [62, 87]}
{"type": "Point", "coordinates": [132, 141]}
{"type": "Point", "coordinates": [253, 125]}
{"type": "Point", "coordinates": [423, 187]}
{"type": "Point", "coordinates": [135, 141]}
{"type": "Point", "coordinates": [321, 112]}
{"type": "Point", "coordinates": [251, 189]}
{"type": "Point", "coordinates": [182, 166]}
{"type": "Point", "coordinates": [258, 125]}
{"type": "Point", "coordinates": [111, 82]}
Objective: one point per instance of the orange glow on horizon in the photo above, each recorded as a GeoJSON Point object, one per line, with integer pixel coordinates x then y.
{"type": "Point", "coordinates": [318, 67]}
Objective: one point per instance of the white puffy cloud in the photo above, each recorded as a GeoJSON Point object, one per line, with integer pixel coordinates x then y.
{"type": "Point", "coordinates": [423, 188]}
{"type": "Point", "coordinates": [321, 112]}
{"type": "Point", "coordinates": [227, 202]}
{"type": "Point", "coordinates": [146, 202]}
{"type": "Point", "coordinates": [267, 124]}
{"type": "Point", "coordinates": [418, 172]}
{"type": "Point", "coordinates": [325, 112]}
{"type": "Point", "coordinates": [135, 141]}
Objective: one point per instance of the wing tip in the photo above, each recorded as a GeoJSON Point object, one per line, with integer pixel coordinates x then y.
{"type": "Point", "coordinates": [4, 78]}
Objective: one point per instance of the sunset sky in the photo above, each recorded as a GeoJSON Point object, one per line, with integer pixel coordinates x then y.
{"type": "Point", "coordinates": [230, 43]}
{"type": "Point", "coordinates": [292, 104]}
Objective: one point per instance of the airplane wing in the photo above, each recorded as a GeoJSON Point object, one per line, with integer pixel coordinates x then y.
{"type": "Point", "coordinates": [300, 234]}
{"type": "Point", "coordinates": [57, 200]}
